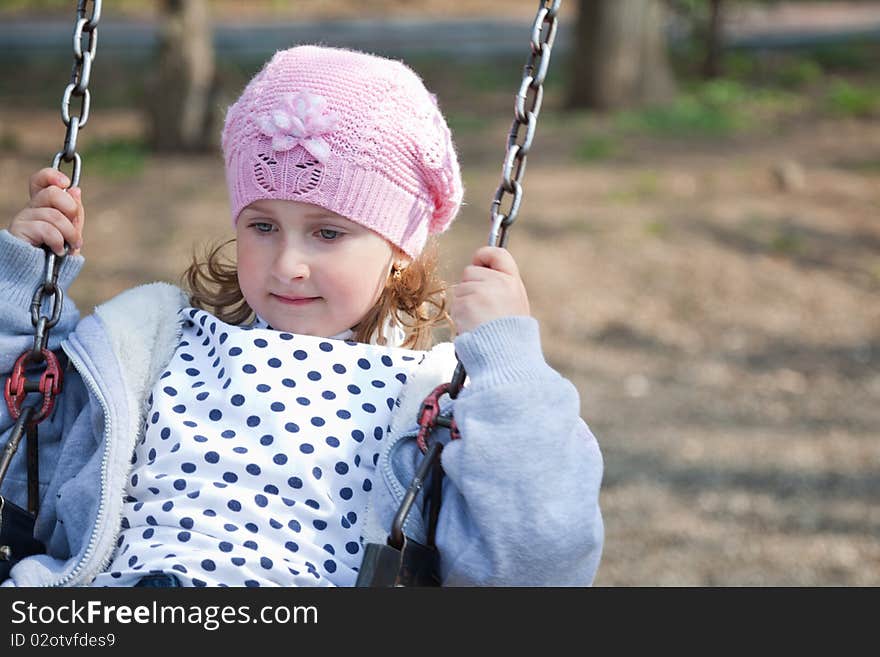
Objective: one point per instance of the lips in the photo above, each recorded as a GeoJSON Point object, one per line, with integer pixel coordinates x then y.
{"type": "Point", "coordinates": [295, 301]}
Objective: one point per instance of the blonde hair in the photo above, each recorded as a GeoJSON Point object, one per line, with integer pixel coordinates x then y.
{"type": "Point", "coordinates": [414, 297]}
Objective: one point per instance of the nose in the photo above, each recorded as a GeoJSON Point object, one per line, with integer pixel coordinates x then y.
{"type": "Point", "coordinates": [291, 264]}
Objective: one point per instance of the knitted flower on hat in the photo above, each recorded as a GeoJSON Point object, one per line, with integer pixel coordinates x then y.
{"type": "Point", "coordinates": [300, 119]}
{"type": "Point", "coordinates": [357, 134]}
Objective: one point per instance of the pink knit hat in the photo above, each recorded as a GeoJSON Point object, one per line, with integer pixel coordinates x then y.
{"type": "Point", "coordinates": [354, 133]}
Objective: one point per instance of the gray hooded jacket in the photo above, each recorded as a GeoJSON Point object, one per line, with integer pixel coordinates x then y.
{"type": "Point", "coordinates": [521, 495]}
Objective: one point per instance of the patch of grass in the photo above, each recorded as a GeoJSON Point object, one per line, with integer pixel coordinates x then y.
{"type": "Point", "coordinates": [37, 82]}
{"type": "Point", "coordinates": [644, 186]}
{"type": "Point", "coordinates": [116, 158]}
{"type": "Point", "coordinates": [794, 67]}
{"type": "Point", "coordinates": [798, 73]}
{"type": "Point", "coordinates": [466, 79]}
{"type": "Point", "coordinates": [787, 70]}
{"type": "Point", "coordinates": [595, 148]}
{"type": "Point", "coordinates": [741, 65]}
{"type": "Point", "coordinates": [771, 236]}
{"type": "Point", "coordinates": [713, 109]}
{"type": "Point", "coordinates": [9, 142]}
{"type": "Point", "coordinates": [656, 228]}
{"type": "Point", "coordinates": [785, 242]}
{"type": "Point", "coordinates": [852, 55]}
{"type": "Point", "coordinates": [480, 77]}
{"type": "Point", "coordinates": [492, 74]}
{"type": "Point", "coordinates": [684, 117]}
{"type": "Point", "coordinates": [647, 184]}
{"type": "Point", "coordinates": [460, 123]}
{"type": "Point", "coordinates": [871, 165]}
{"type": "Point", "coordinates": [580, 225]}
{"type": "Point", "coordinates": [845, 99]}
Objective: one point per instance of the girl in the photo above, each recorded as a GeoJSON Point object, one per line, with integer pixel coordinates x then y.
{"type": "Point", "coordinates": [260, 431]}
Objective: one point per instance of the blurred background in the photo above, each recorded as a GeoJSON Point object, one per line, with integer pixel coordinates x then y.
{"type": "Point", "coordinates": [700, 230]}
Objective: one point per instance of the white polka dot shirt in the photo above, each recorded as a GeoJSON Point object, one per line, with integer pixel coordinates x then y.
{"type": "Point", "coordinates": [259, 451]}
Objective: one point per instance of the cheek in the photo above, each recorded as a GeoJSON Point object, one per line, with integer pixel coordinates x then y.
{"type": "Point", "coordinates": [362, 282]}
{"type": "Point", "coordinates": [357, 287]}
{"type": "Point", "coordinates": [372, 289]}
{"type": "Point", "coordinates": [248, 273]}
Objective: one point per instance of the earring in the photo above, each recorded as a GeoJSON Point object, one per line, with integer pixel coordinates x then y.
{"type": "Point", "coordinates": [396, 273]}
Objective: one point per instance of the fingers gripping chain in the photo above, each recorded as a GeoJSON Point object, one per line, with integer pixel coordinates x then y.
{"type": "Point", "coordinates": [526, 109]}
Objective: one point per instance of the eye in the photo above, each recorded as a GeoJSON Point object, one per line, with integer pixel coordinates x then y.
{"type": "Point", "coordinates": [329, 234]}
{"type": "Point", "coordinates": [261, 226]}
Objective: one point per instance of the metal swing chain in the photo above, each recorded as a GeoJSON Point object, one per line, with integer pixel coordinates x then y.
{"type": "Point", "coordinates": [402, 561]}
{"type": "Point", "coordinates": [527, 107]}
{"type": "Point", "coordinates": [85, 43]}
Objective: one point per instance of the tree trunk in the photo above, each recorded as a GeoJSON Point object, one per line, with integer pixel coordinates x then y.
{"type": "Point", "coordinates": [712, 66]}
{"type": "Point", "coordinates": [180, 92]}
{"type": "Point", "coordinates": [620, 58]}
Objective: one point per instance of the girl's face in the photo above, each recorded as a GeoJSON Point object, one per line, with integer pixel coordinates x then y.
{"type": "Point", "coordinates": [308, 270]}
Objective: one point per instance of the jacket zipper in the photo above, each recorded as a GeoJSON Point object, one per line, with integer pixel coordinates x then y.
{"type": "Point", "coordinates": [93, 387]}
{"type": "Point", "coordinates": [388, 472]}
{"type": "Point", "coordinates": [398, 490]}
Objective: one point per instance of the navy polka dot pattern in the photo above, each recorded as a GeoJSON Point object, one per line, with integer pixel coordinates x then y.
{"type": "Point", "coordinates": [258, 453]}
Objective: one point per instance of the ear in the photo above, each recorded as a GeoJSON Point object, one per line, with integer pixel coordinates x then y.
{"type": "Point", "coordinates": [401, 260]}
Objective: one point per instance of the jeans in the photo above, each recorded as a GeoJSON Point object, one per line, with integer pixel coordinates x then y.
{"type": "Point", "coordinates": [158, 581]}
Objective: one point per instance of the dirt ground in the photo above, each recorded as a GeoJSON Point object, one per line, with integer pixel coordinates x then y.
{"type": "Point", "coordinates": [716, 303]}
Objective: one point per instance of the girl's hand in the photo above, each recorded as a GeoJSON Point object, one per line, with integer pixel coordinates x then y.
{"type": "Point", "coordinates": [53, 215]}
{"type": "Point", "coordinates": [490, 288]}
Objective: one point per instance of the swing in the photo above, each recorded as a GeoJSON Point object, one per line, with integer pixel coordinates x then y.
{"type": "Point", "coordinates": [17, 524]}
{"type": "Point", "coordinates": [400, 561]}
